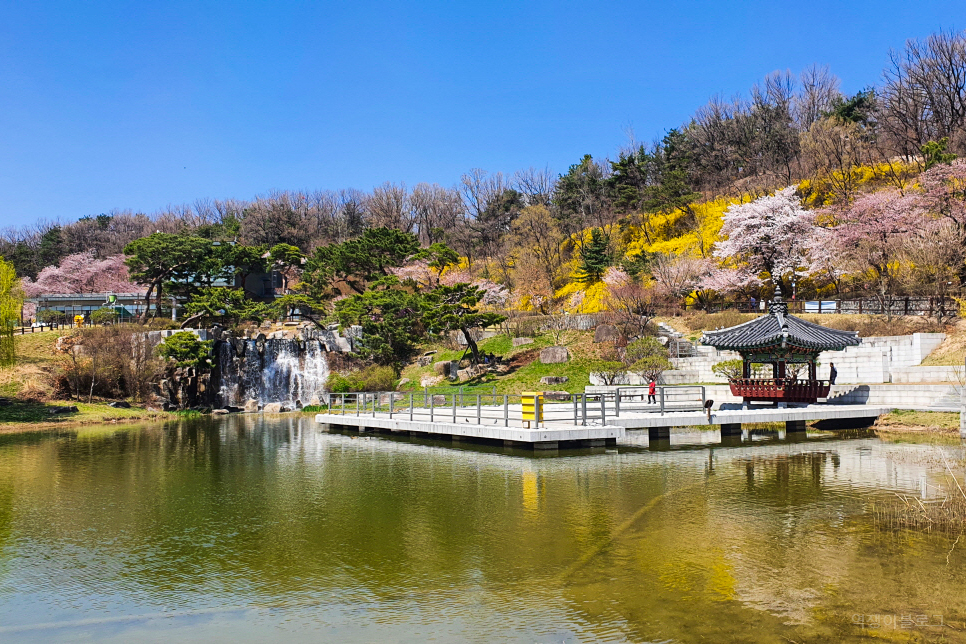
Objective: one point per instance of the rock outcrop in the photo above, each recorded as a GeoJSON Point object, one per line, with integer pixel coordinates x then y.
{"type": "Point", "coordinates": [554, 355]}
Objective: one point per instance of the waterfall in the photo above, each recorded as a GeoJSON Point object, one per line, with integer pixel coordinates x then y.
{"type": "Point", "coordinates": [269, 371]}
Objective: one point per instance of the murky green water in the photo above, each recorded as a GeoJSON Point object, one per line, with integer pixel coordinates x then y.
{"type": "Point", "coordinates": [250, 530]}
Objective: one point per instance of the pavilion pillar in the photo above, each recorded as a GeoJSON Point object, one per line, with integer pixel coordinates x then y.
{"type": "Point", "coordinates": [811, 370]}
{"type": "Point", "coordinates": [781, 369]}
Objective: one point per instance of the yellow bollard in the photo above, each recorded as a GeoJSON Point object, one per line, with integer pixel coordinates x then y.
{"type": "Point", "coordinates": [532, 407]}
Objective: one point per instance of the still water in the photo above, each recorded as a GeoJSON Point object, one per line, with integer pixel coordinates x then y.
{"type": "Point", "coordinates": [249, 530]}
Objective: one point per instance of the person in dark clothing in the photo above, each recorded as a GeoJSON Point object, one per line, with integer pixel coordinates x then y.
{"type": "Point", "coordinates": [832, 373]}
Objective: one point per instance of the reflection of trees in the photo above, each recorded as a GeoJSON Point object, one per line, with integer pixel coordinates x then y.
{"type": "Point", "coordinates": [786, 479]}
{"type": "Point", "coordinates": [255, 510]}
{"type": "Point", "coordinates": [210, 507]}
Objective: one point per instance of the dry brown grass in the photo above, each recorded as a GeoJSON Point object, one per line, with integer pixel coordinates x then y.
{"type": "Point", "coordinates": [952, 351]}
{"type": "Point", "coordinates": [947, 516]}
{"type": "Point", "coordinates": [942, 422]}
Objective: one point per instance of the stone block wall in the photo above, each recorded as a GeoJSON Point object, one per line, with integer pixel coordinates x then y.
{"type": "Point", "coordinates": [871, 362]}
{"type": "Point", "coordinates": [936, 397]}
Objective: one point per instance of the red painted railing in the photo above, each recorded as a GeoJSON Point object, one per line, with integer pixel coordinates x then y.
{"type": "Point", "coordinates": [781, 389]}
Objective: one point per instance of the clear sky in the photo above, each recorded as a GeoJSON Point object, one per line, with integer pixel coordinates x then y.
{"type": "Point", "coordinates": [144, 105]}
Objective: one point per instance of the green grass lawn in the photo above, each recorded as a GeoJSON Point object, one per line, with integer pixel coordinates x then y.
{"type": "Point", "coordinates": [526, 369]}
{"type": "Point", "coordinates": [29, 412]}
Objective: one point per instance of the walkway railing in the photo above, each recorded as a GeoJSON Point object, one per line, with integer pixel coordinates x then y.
{"type": "Point", "coordinates": [896, 305]}
{"type": "Point", "coordinates": [36, 329]}
{"type": "Point", "coordinates": [505, 410]}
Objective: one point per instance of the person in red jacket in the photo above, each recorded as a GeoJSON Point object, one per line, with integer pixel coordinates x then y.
{"type": "Point", "coordinates": [651, 391]}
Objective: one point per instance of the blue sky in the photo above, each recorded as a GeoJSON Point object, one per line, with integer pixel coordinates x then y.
{"type": "Point", "coordinates": [144, 105]}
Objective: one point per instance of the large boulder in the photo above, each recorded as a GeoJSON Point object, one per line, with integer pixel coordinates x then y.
{"type": "Point", "coordinates": [251, 405]}
{"type": "Point", "coordinates": [559, 396]}
{"type": "Point", "coordinates": [443, 368]}
{"type": "Point", "coordinates": [272, 408]}
{"type": "Point", "coordinates": [430, 381]}
{"type": "Point", "coordinates": [554, 355]}
{"type": "Point", "coordinates": [424, 361]}
{"type": "Point", "coordinates": [519, 342]}
{"type": "Point", "coordinates": [554, 380]}
{"type": "Point", "coordinates": [605, 333]}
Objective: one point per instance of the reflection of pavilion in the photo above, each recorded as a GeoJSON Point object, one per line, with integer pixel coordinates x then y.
{"type": "Point", "coordinates": [788, 344]}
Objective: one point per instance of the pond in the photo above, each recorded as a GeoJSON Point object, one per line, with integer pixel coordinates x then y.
{"type": "Point", "coordinates": [251, 529]}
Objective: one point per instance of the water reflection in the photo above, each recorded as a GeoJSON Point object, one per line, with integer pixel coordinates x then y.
{"type": "Point", "coordinates": [248, 529]}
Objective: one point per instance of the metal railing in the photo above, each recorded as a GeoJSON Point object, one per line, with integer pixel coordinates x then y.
{"type": "Point", "coordinates": [37, 329]}
{"type": "Point", "coordinates": [506, 410]}
{"type": "Point", "coordinates": [927, 306]}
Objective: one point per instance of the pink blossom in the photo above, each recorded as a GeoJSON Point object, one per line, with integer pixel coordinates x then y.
{"type": "Point", "coordinates": [729, 280]}
{"type": "Point", "coordinates": [456, 276]}
{"type": "Point", "coordinates": [83, 273]}
{"type": "Point", "coordinates": [614, 277]}
{"type": "Point", "coordinates": [767, 235]}
{"type": "Point", "coordinates": [418, 271]}
{"type": "Point", "coordinates": [493, 294]}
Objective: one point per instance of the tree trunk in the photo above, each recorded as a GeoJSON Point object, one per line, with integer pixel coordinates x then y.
{"type": "Point", "coordinates": [147, 304]}
{"type": "Point", "coordinates": [472, 345]}
{"type": "Point", "coordinates": [191, 319]}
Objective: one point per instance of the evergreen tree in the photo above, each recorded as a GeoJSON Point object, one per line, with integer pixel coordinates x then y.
{"type": "Point", "coordinates": [453, 308]}
{"type": "Point", "coordinates": [594, 257]}
{"type": "Point", "coordinates": [357, 262]}
{"type": "Point", "coordinates": [580, 197]}
{"type": "Point", "coordinates": [390, 317]}
{"type": "Point", "coordinates": [672, 189]}
{"type": "Point", "coordinates": [934, 152]}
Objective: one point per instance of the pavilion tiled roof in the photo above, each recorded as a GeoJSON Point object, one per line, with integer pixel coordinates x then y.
{"type": "Point", "coordinates": [769, 330]}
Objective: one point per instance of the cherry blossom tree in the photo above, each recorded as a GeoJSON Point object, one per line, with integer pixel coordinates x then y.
{"type": "Point", "coordinates": [418, 272]}
{"type": "Point", "coordinates": [679, 275]}
{"type": "Point", "coordinates": [631, 305]}
{"type": "Point", "coordinates": [765, 236]}
{"type": "Point", "coordinates": [871, 235]}
{"type": "Point", "coordinates": [824, 264]}
{"type": "Point", "coordinates": [944, 194]}
{"type": "Point", "coordinates": [83, 273]}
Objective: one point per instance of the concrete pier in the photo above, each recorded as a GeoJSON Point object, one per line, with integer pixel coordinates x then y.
{"type": "Point", "coordinates": [493, 424]}
{"type": "Point", "coordinates": [548, 437]}
{"type": "Point", "coordinates": [731, 429]}
{"type": "Point", "coordinates": [731, 420]}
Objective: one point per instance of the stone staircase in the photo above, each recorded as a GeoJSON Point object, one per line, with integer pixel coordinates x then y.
{"type": "Point", "coordinates": [677, 345]}
{"type": "Point", "coordinates": [949, 402]}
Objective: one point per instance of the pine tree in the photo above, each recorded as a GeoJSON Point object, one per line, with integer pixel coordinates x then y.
{"type": "Point", "coordinates": [594, 257]}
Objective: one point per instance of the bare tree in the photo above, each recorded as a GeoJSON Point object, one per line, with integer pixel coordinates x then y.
{"type": "Point", "coordinates": [537, 185]}
{"type": "Point", "coordinates": [389, 207]}
{"type": "Point", "coordinates": [833, 150]}
{"type": "Point", "coordinates": [817, 95]}
{"type": "Point", "coordinates": [923, 96]}
{"type": "Point", "coordinates": [437, 211]}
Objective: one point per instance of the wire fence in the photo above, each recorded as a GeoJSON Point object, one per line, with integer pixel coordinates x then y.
{"type": "Point", "coordinates": [507, 410]}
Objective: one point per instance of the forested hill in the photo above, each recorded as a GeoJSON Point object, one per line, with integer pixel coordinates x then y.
{"type": "Point", "coordinates": [876, 204]}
